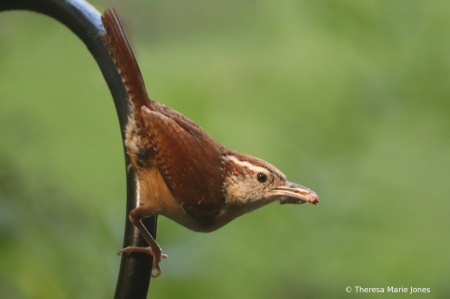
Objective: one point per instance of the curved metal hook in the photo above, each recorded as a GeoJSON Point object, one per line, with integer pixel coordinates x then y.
{"type": "Point", "coordinates": [84, 20]}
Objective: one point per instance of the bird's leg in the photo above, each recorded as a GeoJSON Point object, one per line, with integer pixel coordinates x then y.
{"type": "Point", "coordinates": [136, 216]}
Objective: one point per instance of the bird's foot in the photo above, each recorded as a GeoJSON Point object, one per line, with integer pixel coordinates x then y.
{"type": "Point", "coordinates": [148, 250]}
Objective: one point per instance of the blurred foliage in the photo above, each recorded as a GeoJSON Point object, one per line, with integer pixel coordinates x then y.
{"type": "Point", "coordinates": [349, 98]}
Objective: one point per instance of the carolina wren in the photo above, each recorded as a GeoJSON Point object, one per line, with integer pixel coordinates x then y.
{"type": "Point", "coordinates": [183, 173]}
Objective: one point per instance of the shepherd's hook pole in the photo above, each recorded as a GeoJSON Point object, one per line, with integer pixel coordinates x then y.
{"type": "Point", "coordinates": [84, 20]}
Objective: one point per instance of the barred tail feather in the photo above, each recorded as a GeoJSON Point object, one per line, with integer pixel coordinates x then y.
{"type": "Point", "coordinates": [126, 64]}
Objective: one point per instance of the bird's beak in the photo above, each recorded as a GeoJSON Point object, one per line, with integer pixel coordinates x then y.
{"type": "Point", "coordinates": [293, 193]}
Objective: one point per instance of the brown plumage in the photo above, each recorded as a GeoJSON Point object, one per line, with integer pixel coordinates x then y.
{"type": "Point", "coordinates": [123, 57]}
{"type": "Point", "coordinates": [183, 173]}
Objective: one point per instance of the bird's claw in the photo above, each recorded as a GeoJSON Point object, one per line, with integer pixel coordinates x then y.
{"type": "Point", "coordinates": [156, 266]}
{"type": "Point", "coordinates": [156, 260]}
{"type": "Point", "coordinates": [147, 250]}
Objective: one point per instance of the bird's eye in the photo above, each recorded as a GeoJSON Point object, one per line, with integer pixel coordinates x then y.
{"type": "Point", "coordinates": [261, 177]}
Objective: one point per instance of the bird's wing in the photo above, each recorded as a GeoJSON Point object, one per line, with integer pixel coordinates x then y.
{"type": "Point", "coordinates": [189, 161]}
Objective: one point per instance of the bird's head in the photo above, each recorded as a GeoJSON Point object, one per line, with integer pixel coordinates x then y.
{"type": "Point", "coordinates": [254, 182]}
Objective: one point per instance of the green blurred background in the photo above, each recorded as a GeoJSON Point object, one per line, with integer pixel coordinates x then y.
{"type": "Point", "coordinates": [349, 98]}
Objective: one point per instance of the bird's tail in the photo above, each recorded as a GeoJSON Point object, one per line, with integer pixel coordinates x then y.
{"type": "Point", "coordinates": [126, 64]}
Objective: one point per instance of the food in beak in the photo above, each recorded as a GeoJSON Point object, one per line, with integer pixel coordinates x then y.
{"type": "Point", "coordinates": [295, 194]}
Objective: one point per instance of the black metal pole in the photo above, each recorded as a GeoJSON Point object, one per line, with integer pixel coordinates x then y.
{"type": "Point", "coordinates": [84, 20]}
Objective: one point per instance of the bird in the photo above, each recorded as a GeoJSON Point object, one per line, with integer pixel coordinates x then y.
{"type": "Point", "coordinates": [183, 173]}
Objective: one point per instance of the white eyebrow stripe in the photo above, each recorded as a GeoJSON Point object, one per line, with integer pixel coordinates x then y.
{"type": "Point", "coordinates": [248, 165]}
